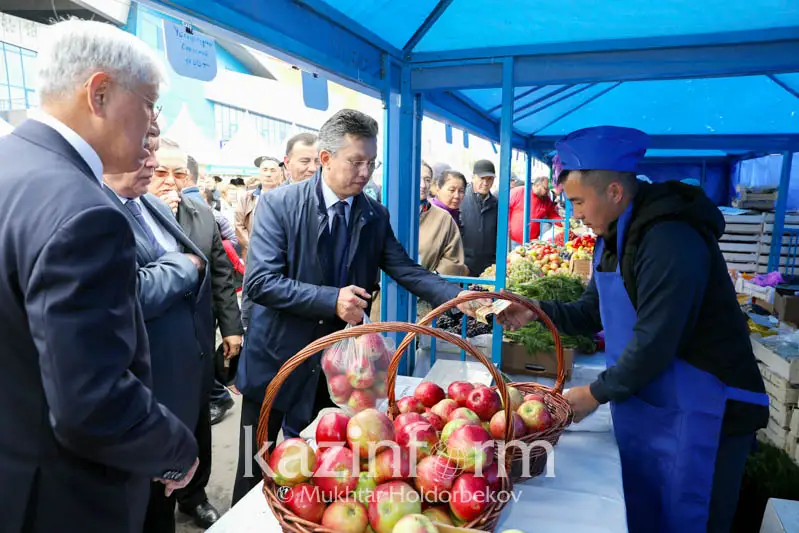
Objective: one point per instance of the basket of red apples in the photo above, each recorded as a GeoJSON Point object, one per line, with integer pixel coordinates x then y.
{"type": "Point", "coordinates": [538, 414]}
{"type": "Point", "coordinates": [372, 473]}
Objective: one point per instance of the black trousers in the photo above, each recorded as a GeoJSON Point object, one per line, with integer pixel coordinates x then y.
{"type": "Point", "coordinates": [161, 510]}
{"type": "Point", "coordinates": [194, 493]}
{"type": "Point", "coordinates": [729, 471]}
{"type": "Point", "coordinates": [248, 472]}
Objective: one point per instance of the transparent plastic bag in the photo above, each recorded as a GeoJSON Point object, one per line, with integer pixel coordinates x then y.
{"type": "Point", "coordinates": [356, 370]}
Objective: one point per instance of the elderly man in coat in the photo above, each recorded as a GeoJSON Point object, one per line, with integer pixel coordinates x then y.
{"type": "Point", "coordinates": [314, 257]}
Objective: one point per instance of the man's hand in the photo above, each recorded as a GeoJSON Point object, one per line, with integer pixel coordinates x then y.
{"type": "Point", "coordinates": [199, 263]}
{"type": "Point", "coordinates": [351, 303]}
{"type": "Point", "coordinates": [172, 198]}
{"type": "Point", "coordinates": [232, 346]}
{"type": "Point", "coordinates": [470, 308]}
{"type": "Point", "coordinates": [516, 316]}
{"type": "Point", "coordinates": [582, 401]}
{"type": "Point", "coordinates": [171, 486]}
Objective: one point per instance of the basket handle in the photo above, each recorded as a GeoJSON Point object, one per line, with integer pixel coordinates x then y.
{"type": "Point", "coordinates": [377, 327]}
{"type": "Point", "coordinates": [509, 296]}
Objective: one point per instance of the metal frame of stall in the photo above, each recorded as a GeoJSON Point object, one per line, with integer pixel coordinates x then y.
{"type": "Point", "coordinates": [411, 84]}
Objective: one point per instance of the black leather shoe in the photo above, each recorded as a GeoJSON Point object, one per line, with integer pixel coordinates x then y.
{"type": "Point", "coordinates": [204, 515]}
{"type": "Point", "coordinates": [219, 409]}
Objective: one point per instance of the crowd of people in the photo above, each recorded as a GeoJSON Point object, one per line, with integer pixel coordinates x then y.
{"type": "Point", "coordinates": [122, 326]}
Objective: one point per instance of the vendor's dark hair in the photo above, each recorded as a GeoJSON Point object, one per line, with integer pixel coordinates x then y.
{"type": "Point", "coordinates": [442, 179]}
{"type": "Point", "coordinates": [600, 179]}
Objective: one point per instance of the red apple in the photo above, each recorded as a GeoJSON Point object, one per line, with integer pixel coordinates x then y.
{"type": "Point", "coordinates": [498, 425]}
{"type": "Point", "coordinates": [380, 385]}
{"type": "Point", "coordinates": [361, 373]}
{"type": "Point", "coordinates": [465, 414]}
{"type": "Point", "coordinates": [367, 429]}
{"type": "Point", "coordinates": [438, 514]}
{"type": "Point", "coordinates": [535, 415]}
{"type": "Point", "coordinates": [480, 386]}
{"type": "Point", "coordinates": [332, 429]}
{"type": "Point", "coordinates": [420, 438]}
{"type": "Point", "coordinates": [391, 501]}
{"type": "Point", "coordinates": [409, 404]}
{"type": "Point", "coordinates": [371, 346]}
{"type": "Point", "coordinates": [336, 475]}
{"type": "Point", "coordinates": [347, 516]}
{"type": "Point", "coordinates": [459, 391]}
{"type": "Point", "coordinates": [436, 421]}
{"type": "Point", "coordinates": [392, 463]}
{"type": "Point", "coordinates": [407, 418]}
{"type": "Point", "coordinates": [444, 408]}
{"type": "Point", "coordinates": [515, 396]}
{"type": "Point", "coordinates": [305, 501]}
{"type": "Point", "coordinates": [333, 361]}
{"type": "Point", "coordinates": [429, 393]}
{"type": "Point", "coordinates": [292, 462]}
{"type": "Point", "coordinates": [339, 388]}
{"type": "Point", "coordinates": [470, 497]}
{"type": "Point", "coordinates": [415, 523]}
{"type": "Point", "coordinates": [361, 400]}
{"type": "Point", "coordinates": [365, 487]}
{"type": "Point", "coordinates": [435, 476]}
{"type": "Point", "coordinates": [491, 475]}
{"type": "Point", "coordinates": [534, 396]}
{"type": "Point", "coordinates": [452, 426]}
{"type": "Point", "coordinates": [484, 402]}
{"type": "Point", "coordinates": [470, 447]}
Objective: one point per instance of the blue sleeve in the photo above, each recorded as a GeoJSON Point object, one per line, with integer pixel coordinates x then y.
{"type": "Point", "coordinates": [266, 281]}
{"type": "Point", "coordinates": [82, 310]}
{"type": "Point", "coordinates": [671, 273]}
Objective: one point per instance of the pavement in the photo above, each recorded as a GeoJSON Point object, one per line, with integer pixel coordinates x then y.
{"type": "Point", "coordinates": [225, 442]}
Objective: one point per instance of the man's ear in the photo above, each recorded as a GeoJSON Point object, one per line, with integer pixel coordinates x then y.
{"type": "Point", "coordinates": [325, 157]}
{"type": "Point", "coordinates": [98, 89]}
{"type": "Point", "coordinates": [616, 192]}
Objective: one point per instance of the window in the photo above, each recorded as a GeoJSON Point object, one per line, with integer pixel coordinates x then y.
{"type": "Point", "coordinates": [274, 131]}
{"type": "Point", "coordinates": [18, 78]}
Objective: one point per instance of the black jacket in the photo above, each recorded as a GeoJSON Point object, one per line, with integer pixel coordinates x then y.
{"type": "Point", "coordinates": [677, 279]}
{"type": "Point", "coordinates": [479, 231]}
{"type": "Point", "coordinates": [199, 224]}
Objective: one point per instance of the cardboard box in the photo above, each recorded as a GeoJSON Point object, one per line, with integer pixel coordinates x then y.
{"type": "Point", "coordinates": [582, 268]}
{"type": "Point", "coordinates": [516, 360]}
{"type": "Point", "coordinates": [786, 308]}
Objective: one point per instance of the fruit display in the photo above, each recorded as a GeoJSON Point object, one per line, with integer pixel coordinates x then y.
{"type": "Point", "coordinates": [437, 466]}
{"type": "Point", "coordinates": [356, 371]}
{"type": "Point", "coordinates": [581, 247]}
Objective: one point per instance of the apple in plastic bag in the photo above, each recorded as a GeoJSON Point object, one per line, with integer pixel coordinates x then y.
{"type": "Point", "coordinates": [361, 372]}
{"type": "Point", "coordinates": [371, 346]}
{"type": "Point", "coordinates": [361, 400]}
{"type": "Point", "coordinates": [333, 361]}
{"type": "Point", "coordinates": [340, 389]}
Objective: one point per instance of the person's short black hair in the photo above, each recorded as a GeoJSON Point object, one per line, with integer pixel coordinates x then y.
{"type": "Point", "coordinates": [447, 174]}
{"type": "Point", "coordinates": [217, 179]}
{"type": "Point", "coordinates": [194, 169]}
{"type": "Point", "coordinates": [306, 138]}
{"type": "Point", "coordinates": [600, 179]}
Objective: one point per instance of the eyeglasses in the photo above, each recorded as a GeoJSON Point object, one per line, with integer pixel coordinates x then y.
{"type": "Point", "coordinates": [178, 174]}
{"type": "Point", "coordinates": [371, 166]}
{"type": "Point", "coordinates": [155, 109]}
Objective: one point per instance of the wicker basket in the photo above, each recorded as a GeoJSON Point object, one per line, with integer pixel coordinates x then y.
{"type": "Point", "coordinates": [290, 522]}
{"type": "Point", "coordinates": [534, 455]}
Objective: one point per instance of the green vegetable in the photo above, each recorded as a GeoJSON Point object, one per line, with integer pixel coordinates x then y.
{"type": "Point", "coordinates": [561, 287]}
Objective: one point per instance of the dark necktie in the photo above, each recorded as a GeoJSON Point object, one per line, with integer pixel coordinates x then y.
{"type": "Point", "coordinates": [135, 210]}
{"type": "Point", "coordinates": [341, 244]}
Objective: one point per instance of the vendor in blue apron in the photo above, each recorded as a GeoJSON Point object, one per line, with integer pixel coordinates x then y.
{"type": "Point", "coordinates": [683, 385]}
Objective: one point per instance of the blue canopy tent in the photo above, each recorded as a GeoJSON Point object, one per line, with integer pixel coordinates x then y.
{"type": "Point", "coordinates": [710, 76]}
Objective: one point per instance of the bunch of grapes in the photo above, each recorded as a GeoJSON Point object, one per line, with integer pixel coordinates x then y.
{"type": "Point", "coordinates": [522, 272]}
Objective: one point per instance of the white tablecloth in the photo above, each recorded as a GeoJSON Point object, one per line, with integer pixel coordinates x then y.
{"type": "Point", "coordinates": [584, 495]}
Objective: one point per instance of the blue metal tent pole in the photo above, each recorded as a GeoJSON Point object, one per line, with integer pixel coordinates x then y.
{"type": "Point", "coordinates": [528, 187]}
{"type": "Point", "coordinates": [779, 214]}
{"type": "Point", "coordinates": [506, 150]}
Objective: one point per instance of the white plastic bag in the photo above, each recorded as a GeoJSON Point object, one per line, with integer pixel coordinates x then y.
{"type": "Point", "coordinates": [356, 370]}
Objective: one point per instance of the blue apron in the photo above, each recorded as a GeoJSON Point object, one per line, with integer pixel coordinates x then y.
{"type": "Point", "coordinates": [668, 432]}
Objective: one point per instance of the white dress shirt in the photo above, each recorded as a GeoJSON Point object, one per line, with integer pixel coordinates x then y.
{"type": "Point", "coordinates": [331, 199]}
{"type": "Point", "coordinates": [164, 238]}
{"type": "Point", "coordinates": [76, 141]}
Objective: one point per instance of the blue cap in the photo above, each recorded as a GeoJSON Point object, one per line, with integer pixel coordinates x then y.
{"type": "Point", "coordinates": [603, 148]}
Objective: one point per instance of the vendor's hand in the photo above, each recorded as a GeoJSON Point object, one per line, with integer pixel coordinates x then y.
{"type": "Point", "coordinates": [470, 308]}
{"type": "Point", "coordinates": [516, 316]}
{"type": "Point", "coordinates": [581, 401]}
{"type": "Point", "coordinates": [172, 198]}
{"type": "Point", "coordinates": [351, 304]}
{"type": "Point", "coordinates": [232, 346]}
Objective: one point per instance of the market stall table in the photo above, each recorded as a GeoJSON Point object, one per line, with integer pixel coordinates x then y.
{"type": "Point", "coordinates": [584, 495]}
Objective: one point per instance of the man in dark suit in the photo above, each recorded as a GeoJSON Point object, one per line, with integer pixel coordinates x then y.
{"type": "Point", "coordinates": [174, 173]}
{"type": "Point", "coordinates": [315, 251]}
{"type": "Point", "coordinates": [175, 295]}
{"type": "Point", "coordinates": [83, 434]}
